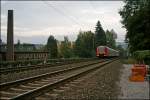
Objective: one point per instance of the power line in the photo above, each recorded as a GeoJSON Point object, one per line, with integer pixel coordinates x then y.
{"type": "Point", "coordinates": [62, 13]}
{"type": "Point", "coordinates": [70, 14]}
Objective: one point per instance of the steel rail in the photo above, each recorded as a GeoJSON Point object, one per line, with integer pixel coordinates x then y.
{"type": "Point", "coordinates": [39, 91]}
{"type": "Point", "coordinates": [21, 81]}
{"type": "Point", "coordinates": [24, 68]}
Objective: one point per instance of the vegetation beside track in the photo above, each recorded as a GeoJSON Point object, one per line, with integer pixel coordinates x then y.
{"type": "Point", "coordinates": [135, 18]}
{"type": "Point", "coordinates": [138, 57]}
{"type": "Point", "coordinates": [143, 56]}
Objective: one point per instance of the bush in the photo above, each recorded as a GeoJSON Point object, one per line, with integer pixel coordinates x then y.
{"type": "Point", "coordinates": [141, 56]}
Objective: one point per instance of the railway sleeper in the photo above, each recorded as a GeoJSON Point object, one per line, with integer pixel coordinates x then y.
{"type": "Point", "coordinates": [8, 94]}
{"type": "Point", "coordinates": [58, 90]}
{"type": "Point", "coordinates": [19, 89]}
{"type": "Point", "coordinates": [26, 87]}
{"type": "Point", "coordinates": [61, 81]}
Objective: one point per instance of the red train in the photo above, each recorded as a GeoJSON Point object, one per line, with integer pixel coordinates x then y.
{"type": "Point", "coordinates": [104, 51]}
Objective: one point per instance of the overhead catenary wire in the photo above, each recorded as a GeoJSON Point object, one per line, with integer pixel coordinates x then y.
{"type": "Point", "coordinates": [62, 13]}
{"type": "Point", "coordinates": [74, 17]}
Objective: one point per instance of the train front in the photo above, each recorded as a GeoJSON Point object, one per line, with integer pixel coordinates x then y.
{"type": "Point", "coordinates": [101, 51]}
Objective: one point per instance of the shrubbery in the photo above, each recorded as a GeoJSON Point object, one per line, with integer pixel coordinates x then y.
{"type": "Point", "coordinates": [143, 55]}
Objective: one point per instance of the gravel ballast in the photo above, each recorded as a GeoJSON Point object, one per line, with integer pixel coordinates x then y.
{"type": "Point", "coordinates": [101, 84]}
{"type": "Point", "coordinates": [30, 73]}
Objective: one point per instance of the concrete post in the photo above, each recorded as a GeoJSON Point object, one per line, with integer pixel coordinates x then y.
{"type": "Point", "coordinates": [10, 37]}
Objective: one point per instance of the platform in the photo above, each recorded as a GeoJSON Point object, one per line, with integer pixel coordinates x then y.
{"type": "Point", "coordinates": [132, 90]}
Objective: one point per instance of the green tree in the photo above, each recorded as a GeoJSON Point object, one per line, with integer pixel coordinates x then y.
{"type": "Point", "coordinates": [100, 37]}
{"type": "Point", "coordinates": [84, 44]}
{"type": "Point", "coordinates": [113, 33]}
{"type": "Point", "coordinates": [122, 51]}
{"type": "Point", "coordinates": [18, 46]}
{"type": "Point", "coordinates": [110, 37]}
{"type": "Point", "coordinates": [65, 48]}
{"type": "Point", "coordinates": [52, 47]}
{"type": "Point", "coordinates": [136, 19]}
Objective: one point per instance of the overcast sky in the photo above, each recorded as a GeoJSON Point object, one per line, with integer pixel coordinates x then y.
{"type": "Point", "coordinates": [34, 21]}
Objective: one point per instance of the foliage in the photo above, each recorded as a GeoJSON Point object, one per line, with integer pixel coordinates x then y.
{"type": "Point", "coordinates": [65, 48]}
{"type": "Point", "coordinates": [52, 47]}
{"type": "Point", "coordinates": [110, 39]}
{"type": "Point", "coordinates": [142, 55]}
{"type": "Point", "coordinates": [136, 19]}
{"type": "Point", "coordinates": [24, 47]}
{"type": "Point", "coordinates": [100, 37]}
{"type": "Point", "coordinates": [114, 33]}
{"type": "Point", "coordinates": [84, 44]}
{"type": "Point", "coordinates": [122, 52]}
{"type": "Point", "coordinates": [18, 46]}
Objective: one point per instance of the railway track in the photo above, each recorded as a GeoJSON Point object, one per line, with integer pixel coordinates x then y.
{"type": "Point", "coordinates": [31, 67]}
{"type": "Point", "coordinates": [31, 87]}
{"type": "Point", "coordinates": [30, 73]}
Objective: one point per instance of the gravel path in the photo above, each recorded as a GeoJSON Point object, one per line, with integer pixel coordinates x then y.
{"type": "Point", "coordinates": [101, 84]}
{"type": "Point", "coordinates": [132, 90]}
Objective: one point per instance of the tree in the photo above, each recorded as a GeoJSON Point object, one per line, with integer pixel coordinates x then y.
{"type": "Point", "coordinates": [52, 47]}
{"type": "Point", "coordinates": [136, 19]}
{"type": "Point", "coordinates": [100, 37]}
{"type": "Point", "coordinates": [142, 56]}
{"type": "Point", "coordinates": [122, 51]}
{"type": "Point", "coordinates": [84, 44]}
{"type": "Point", "coordinates": [114, 34]}
{"type": "Point", "coordinates": [65, 48]}
{"type": "Point", "coordinates": [18, 46]}
{"type": "Point", "coordinates": [110, 39]}
{"type": "Point", "coordinates": [18, 42]}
